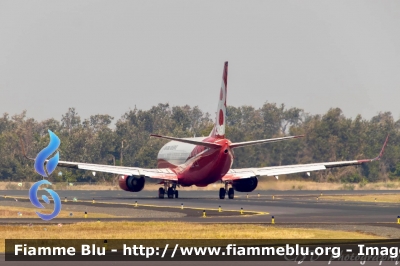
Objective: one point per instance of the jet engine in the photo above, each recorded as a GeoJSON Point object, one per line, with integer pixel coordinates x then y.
{"type": "Point", "coordinates": [131, 183]}
{"type": "Point", "coordinates": [245, 185]}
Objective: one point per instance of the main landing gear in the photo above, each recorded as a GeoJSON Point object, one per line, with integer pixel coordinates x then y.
{"type": "Point", "coordinates": [170, 189]}
{"type": "Point", "coordinates": [223, 190]}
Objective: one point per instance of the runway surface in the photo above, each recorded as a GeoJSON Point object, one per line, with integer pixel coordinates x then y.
{"type": "Point", "coordinates": [286, 206]}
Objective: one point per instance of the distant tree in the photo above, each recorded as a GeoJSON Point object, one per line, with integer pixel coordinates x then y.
{"type": "Point", "coordinates": [328, 137]}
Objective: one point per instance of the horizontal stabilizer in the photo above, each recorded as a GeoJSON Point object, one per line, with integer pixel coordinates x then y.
{"type": "Point", "coordinates": [254, 142]}
{"type": "Point", "coordinates": [190, 141]}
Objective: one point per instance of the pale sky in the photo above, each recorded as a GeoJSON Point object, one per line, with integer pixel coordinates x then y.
{"type": "Point", "coordinates": [104, 57]}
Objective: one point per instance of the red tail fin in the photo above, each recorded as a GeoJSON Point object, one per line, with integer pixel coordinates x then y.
{"type": "Point", "coordinates": [220, 120]}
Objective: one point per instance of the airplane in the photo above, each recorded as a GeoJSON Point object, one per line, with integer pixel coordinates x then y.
{"type": "Point", "coordinates": [201, 161]}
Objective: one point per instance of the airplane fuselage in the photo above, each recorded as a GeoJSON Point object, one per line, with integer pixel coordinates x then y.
{"type": "Point", "coordinates": [196, 165]}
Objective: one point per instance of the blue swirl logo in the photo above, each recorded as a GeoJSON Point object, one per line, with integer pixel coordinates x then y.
{"type": "Point", "coordinates": [35, 201]}
{"type": "Point", "coordinates": [46, 152]}
{"type": "Point", "coordinates": [45, 169]}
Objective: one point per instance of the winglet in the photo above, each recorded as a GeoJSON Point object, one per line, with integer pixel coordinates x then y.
{"type": "Point", "coordinates": [23, 150]}
{"type": "Point", "coordinates": [382, 150]}
{"type": "Point", "coordinates": [381, 153]}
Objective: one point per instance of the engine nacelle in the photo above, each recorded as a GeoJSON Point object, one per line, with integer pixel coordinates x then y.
{"type": "Point", "coordinates": [245, 185]}
{"type": "Point", "coordinates": [131, 183]}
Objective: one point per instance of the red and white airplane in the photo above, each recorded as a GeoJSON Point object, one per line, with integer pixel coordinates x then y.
{"type": "Point", "coordinates": [205, 160]}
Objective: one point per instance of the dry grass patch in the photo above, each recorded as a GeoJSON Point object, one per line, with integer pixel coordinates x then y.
{"type": "Point", "coordinates": [167, 230]}
{"type": "Point", "coordinates": [392, 198]}
{"type": "Point", "coordinates": [12, 212]}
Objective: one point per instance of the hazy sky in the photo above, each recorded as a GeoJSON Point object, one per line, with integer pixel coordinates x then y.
{"type": "Point", "coordinates": [108, 56]}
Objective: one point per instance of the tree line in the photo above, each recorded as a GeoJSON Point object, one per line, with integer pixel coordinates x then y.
{"type": "Point", "coordinates": [328, 137]}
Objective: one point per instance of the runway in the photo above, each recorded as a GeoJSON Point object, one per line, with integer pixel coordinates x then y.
{"type": "Point", "coordinates": [294, 207]}
{"type": "Point", "coordinates": [289, 208]}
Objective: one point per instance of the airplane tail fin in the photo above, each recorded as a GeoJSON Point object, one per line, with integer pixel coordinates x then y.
{"type": "Point", "coordinates": [220, 120]}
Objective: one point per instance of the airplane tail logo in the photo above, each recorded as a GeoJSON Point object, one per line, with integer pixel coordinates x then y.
{"type": "Point", "coordinates": [220, 120]}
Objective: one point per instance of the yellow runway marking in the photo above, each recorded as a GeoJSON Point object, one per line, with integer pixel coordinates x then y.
{"type": "Point", "coordinates": [249, 213]}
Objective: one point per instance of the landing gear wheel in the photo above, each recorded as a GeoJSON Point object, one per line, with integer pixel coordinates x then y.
{"type": "Point", "coordinates": [231, 193]}
{"type": "Point", "coordinates": [222, 193]}
{"type": "Point", "coordinates": [170, 193]}
{"type": "Point", "coordinates": [161, 193]}
{"type": "Point", "coordinates": [176, 194]}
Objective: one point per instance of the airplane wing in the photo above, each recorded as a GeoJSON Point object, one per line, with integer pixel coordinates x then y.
{"type": "Point", "coordinates": [159, 173]}
{"type": "Point", "coordinates": [234, 174]}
